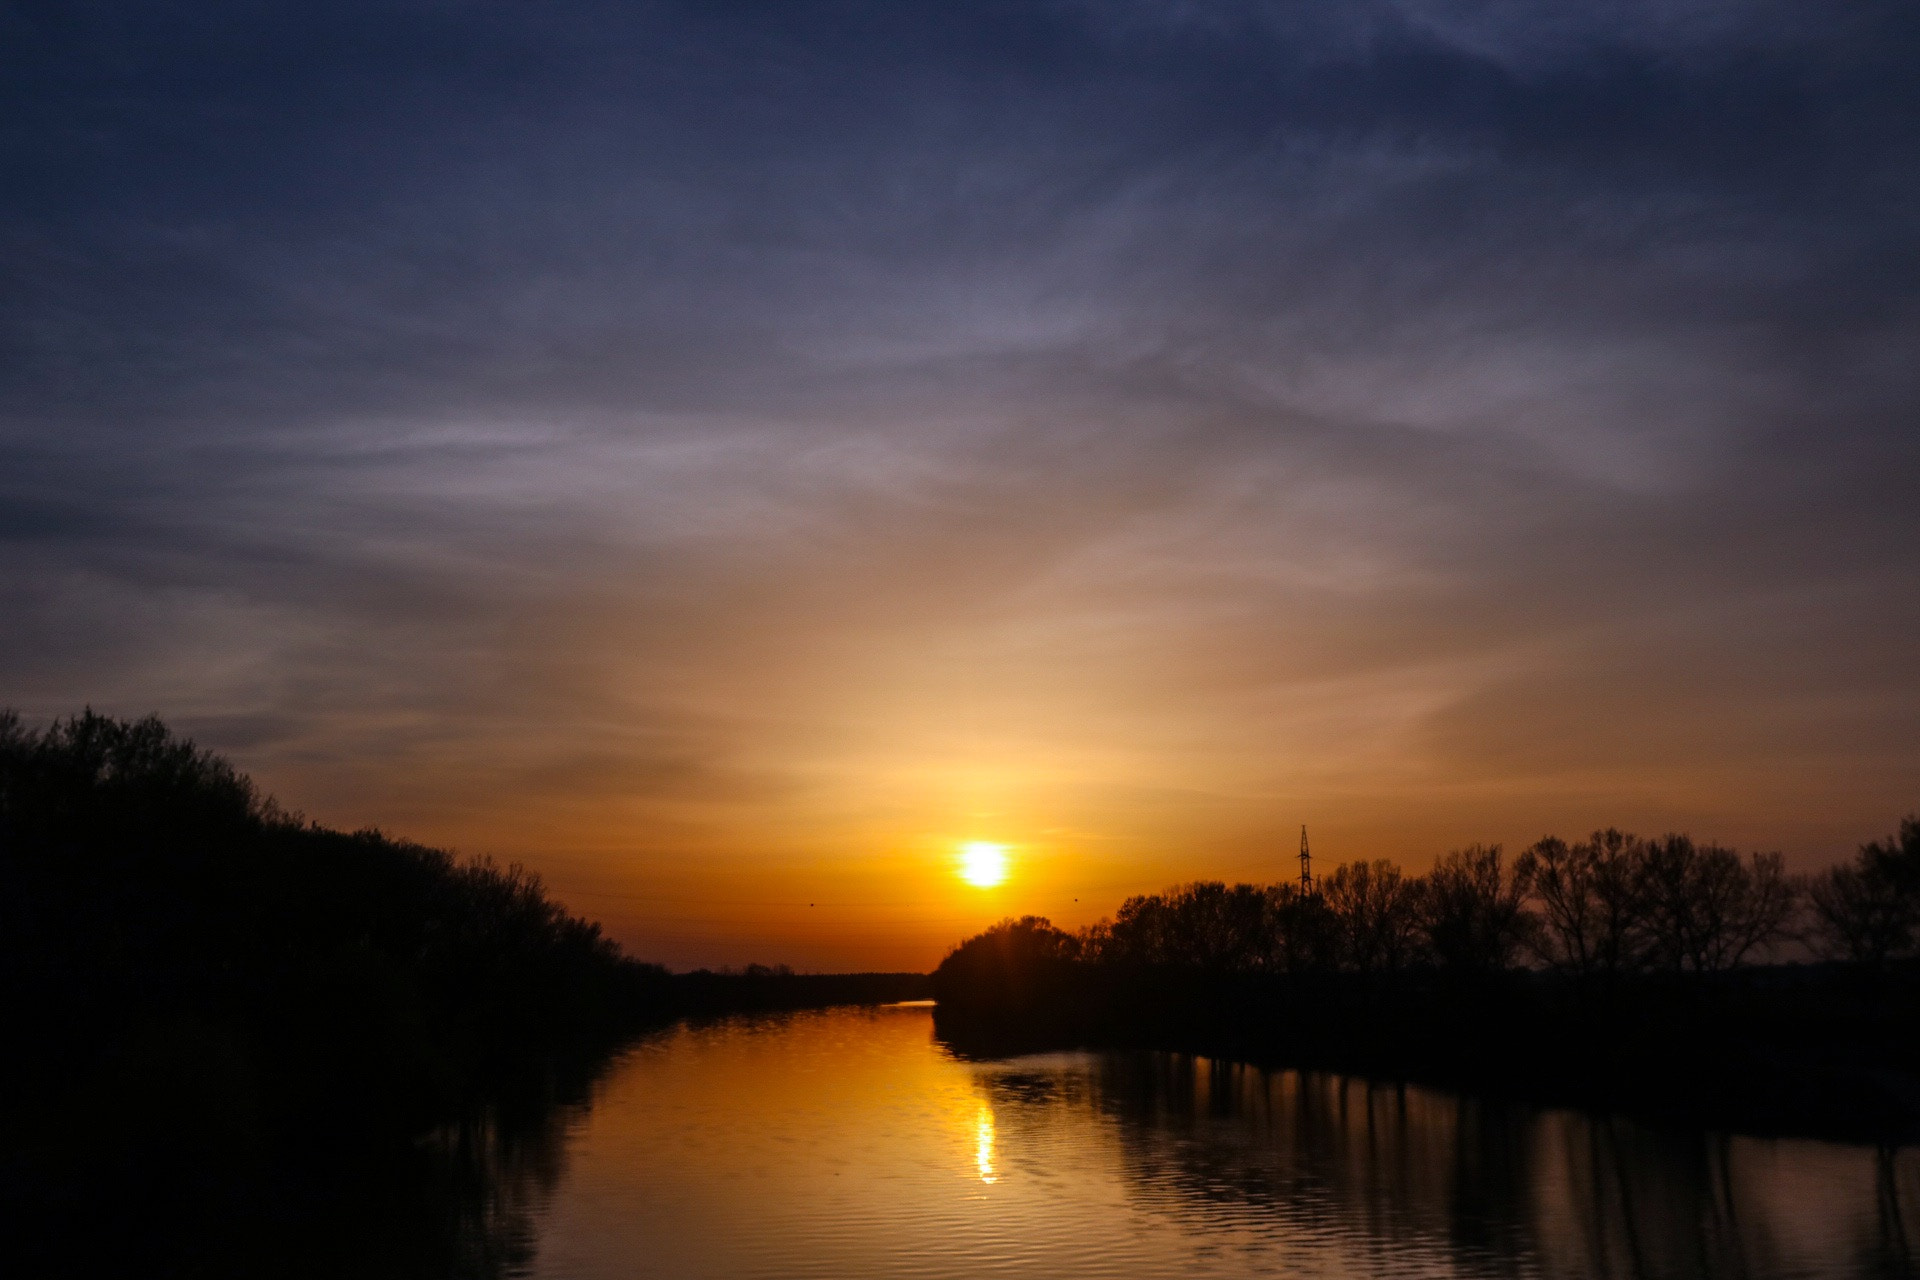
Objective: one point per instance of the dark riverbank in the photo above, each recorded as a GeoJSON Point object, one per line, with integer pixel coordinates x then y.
{"type": "Point", "coordinates": [1825, 1051]}
{"type": "Point", "coordinates": [153, 1166]}
{"type": "Point", "coordinates": [240, 1043]}
{"type": "Point", "coordinates": [1613, 972]}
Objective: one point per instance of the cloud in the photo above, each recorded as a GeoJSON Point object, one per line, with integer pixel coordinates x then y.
{"type": "Point", "coordinates": [633, 427]}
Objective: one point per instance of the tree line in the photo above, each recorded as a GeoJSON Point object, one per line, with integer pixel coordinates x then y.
{"type": "Point", "coordinates": [160, 911]}
{"type": "Point", "coordinates": [156, 905]}
{"type": "Point", "coordinates": [250, 1025]}
{"type": "Point", "coordinates": [1609, 906]}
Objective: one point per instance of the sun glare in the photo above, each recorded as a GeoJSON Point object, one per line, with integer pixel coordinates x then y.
{"type": "Point", "coordinates": [983, 1145]}
{"type": "Point", "coordinates": [983, 865]}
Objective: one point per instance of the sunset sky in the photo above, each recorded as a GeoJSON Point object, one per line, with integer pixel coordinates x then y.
{"type": "Point", "coordinates": [730, 455]}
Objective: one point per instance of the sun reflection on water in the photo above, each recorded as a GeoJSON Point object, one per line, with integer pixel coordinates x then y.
{"type": "Point", "coordinates": [983, 1144]}
{"type": "Point", "coordinates": [874, 1155]}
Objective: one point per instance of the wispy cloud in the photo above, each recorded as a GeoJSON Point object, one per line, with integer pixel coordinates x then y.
{"type": "Point", "coordinates": [642, 438]}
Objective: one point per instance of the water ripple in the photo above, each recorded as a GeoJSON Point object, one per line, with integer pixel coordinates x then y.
{"type": "Point", "coordinates": [847, 1145]}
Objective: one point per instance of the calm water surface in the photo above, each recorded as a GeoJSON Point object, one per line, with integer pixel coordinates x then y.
{"type": "Point", "coordinates": [849, 1144]}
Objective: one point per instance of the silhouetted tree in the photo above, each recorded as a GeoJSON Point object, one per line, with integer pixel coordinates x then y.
{"type": "Point", "coordinates": [1375, 915]}
{"type": "Point", "coordinates": [1868, 912]}
{"type": "Point", "coordinates": [1594, 900]}
{"type": "Point", "coordinates": [1707, 909]}
{"type": "Point", "coordinates": [1012, 962]}
{"type": "Point", "coordinates": [153, 897]}
{"type": "Point", "coordinates": [1204, 925]}
{"type": "Point", "coordinates": [1305, 936]}
{"type": "Point", "coordinates": [1473, 910]}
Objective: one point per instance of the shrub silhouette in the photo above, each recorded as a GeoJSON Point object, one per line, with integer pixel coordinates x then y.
{"type": "Point", "coordinates": [1016, 961]}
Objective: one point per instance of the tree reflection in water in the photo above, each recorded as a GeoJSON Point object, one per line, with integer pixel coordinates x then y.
{"type": "Point", "coordinates": [456, 1204]}
{"type": "Point", "coordinates": [1324, 1170]}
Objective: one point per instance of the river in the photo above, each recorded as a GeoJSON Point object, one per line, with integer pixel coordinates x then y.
{"type": "Point", "coordinates": [850, 1144]}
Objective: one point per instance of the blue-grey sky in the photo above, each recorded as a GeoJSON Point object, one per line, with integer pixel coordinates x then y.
{"type": "Point", "coordinates": [726, 454]}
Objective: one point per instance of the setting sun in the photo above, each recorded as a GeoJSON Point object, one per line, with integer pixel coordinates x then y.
{"type": "Point", "coordinates": [983, 865]}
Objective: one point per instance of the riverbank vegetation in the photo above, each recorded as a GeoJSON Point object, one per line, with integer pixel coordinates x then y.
{"type": "Point", "coordinates": [1663, 975]}
{"type": "Point", "coordinates": [206, 996]}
